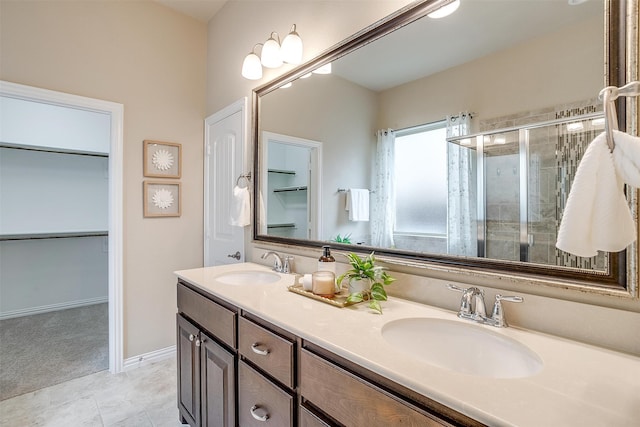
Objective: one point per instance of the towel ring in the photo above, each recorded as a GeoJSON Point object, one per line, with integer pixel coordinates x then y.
{"type": "Point", "coordinates": [246, 176]}
{"type": "Point", "coordinates": [608, 95]}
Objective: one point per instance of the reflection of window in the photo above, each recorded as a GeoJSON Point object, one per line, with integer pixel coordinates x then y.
{"type": "Point", "coordinates": [421, 180]}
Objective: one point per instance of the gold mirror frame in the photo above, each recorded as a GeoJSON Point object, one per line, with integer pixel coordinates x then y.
{"type": "Point", "coordinates": [621, 66]}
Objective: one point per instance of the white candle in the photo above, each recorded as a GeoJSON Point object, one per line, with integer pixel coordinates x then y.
{"type": "Point", "coordinates": [323, 283]}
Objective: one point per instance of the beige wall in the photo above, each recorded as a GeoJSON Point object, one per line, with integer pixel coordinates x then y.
{"type": "Point", "coordinates": [527, 77]}
{"type": "Point", "coordinates": [346, 131]}
{"type": "Point", "coordinates": [152, 60]}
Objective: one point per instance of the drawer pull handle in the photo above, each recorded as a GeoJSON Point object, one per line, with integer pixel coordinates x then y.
{"type": "Point", "coordinates": [257, 350]}
{"type": "Point", "coordinates": [262, 416]}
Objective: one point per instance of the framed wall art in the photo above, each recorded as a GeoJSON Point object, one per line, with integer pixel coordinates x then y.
{"type": "Point", "coordinates": [162, 159]}
{"type": "Point", "coordinates": [161, 199]}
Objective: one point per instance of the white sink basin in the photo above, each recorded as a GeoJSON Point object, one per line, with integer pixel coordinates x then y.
{"type": "Point", "coordinates": [248, 278]}
{"type": "Point", "coordinates": [462, 347]}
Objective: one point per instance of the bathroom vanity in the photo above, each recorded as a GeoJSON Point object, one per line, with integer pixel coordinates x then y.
{"type": "Point", "coordinates": [251, 353]}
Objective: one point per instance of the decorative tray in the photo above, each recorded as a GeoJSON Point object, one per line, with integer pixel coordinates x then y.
{"type": "Point", "coordinates": [338, 300]}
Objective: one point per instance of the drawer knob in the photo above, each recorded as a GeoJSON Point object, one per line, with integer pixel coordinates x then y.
{"type": "Point", "coordinates": [191, 337]}
{"type": "Point", "coordinates": [259, 413]}
{"type": "Point", "coordinates": [199, 342]}
{"type": "Point", "coordinates": [257, 349]}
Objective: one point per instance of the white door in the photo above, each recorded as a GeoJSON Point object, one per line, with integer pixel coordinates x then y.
{"type": "Point", "coordinates": [225, 133]}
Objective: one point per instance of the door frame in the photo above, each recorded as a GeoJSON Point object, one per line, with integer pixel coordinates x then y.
{"type": "Point", "coordinates": [115, 238]}
{"type": "Point", "coordinates": [314, 195]}
{"type": "Point", "coordinates": [240, 106]}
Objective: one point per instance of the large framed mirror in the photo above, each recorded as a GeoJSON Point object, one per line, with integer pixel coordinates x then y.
{"type": "Point", "coordinates": [449, 142]}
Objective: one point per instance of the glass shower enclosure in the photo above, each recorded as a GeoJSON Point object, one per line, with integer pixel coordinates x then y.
{"type": "Point", "coordinates": [516, 193]}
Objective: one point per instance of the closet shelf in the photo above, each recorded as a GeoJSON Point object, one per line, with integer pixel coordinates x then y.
{"type": "Point", "coordinates": [287, 189]}
{"type": "Point", "coordinates": [37, 236]}
{"type": "Point", "coordinates": [13, 146]}
{"type": "Point", "coordinates": [284, 225]}
{"type": "Point", "coordinates": [282, 171]}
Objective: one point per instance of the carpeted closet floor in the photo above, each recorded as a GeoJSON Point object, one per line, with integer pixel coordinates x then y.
{"type": "Point", "coordinates": [50, 348]}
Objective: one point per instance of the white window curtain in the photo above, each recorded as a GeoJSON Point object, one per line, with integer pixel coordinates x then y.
{"type": "Point", "coordinates": [462, 231]}
{"type": "Point", "coordinates": [383, 210]}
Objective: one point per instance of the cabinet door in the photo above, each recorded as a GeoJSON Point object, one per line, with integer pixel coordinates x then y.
{"type": "Point", "coordinates": [218, 385]}
{"type": "Point", "coordinates": [188, 372]}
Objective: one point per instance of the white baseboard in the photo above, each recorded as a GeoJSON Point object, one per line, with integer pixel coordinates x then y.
{"type": "Point", "coordinates": [146, 358]}
{"type": "Point", "coordinates": [52, 307]}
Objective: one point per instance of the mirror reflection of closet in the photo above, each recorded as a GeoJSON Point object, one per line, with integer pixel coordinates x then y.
{"type": "Point", "coordinates": [293, 185]}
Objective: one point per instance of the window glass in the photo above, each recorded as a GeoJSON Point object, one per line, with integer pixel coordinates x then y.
{"type": "Point", "coordinates": [421, 164]}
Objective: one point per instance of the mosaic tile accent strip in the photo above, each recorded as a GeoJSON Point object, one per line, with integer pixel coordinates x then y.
{"type": "Point", "coordinates": [570, 147]}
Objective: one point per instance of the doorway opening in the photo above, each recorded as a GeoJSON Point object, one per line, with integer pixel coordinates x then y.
{"type": "Point", "coordinates": [61, 233]}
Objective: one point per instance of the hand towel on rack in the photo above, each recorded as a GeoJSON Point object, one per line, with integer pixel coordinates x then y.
{"type": "Point", "coordinates": [240, 207]}
{"type": "Point", "coordinates": [596, 216]}
{"type": "Point", "coordinates": [357, 204]}
{"type": "Point", "coordinates": [626, 157]}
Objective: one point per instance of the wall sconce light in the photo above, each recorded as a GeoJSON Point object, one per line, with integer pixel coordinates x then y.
{"type": "Point", "coordinates": [273, 55]}
{"type": "Point", "coordinates": [291, 48]}
{"type": "Point", "coordinates": [445, 10]}
{"type": "Point", "coordinates": [251, 67]}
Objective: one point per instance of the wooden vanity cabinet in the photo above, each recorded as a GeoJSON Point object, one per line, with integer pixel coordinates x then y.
{"type": "Point", "coordinates": [236, 369]}
{"type": "Point", "coordinates": [350, 395]}
{"type": "Point", "coordinates": [206, 367]}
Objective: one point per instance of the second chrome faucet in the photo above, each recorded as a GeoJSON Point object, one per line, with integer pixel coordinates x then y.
{"type": "Point", "coordinates": [472, 306]}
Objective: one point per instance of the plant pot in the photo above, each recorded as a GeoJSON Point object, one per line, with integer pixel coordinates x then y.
{"type": "Point", "coordinates": [358, 285]}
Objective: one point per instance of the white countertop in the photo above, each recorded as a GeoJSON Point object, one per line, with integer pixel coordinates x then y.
{"type": "Point", "coordinates": [579, 385]}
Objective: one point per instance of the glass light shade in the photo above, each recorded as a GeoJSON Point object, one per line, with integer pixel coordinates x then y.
{"type": "Point", "coordinates": [271, 56]}
{"type": "Point", "coordinates": [251, 67]}
{"type": "Point", "coordinates": [325, 69]}
{"type": "Point", "coordinates": [285, 86]}
{"type": "Point", "coordinates": [291, 48]}
{"type": "Point", "coordinates": [445, 10]}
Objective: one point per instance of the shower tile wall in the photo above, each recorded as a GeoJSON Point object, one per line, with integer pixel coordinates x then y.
{"type": "Point", "coordinates": [570, 147]}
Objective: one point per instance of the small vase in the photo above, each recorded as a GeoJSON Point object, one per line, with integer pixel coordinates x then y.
{"type": "Point", "coordinates": [359, 285]}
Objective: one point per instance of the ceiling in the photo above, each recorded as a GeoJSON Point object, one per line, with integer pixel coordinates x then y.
{"type": "Point", "coordinates": [202, 10]}
{"type": "Point", "coordinates": [478, 28]}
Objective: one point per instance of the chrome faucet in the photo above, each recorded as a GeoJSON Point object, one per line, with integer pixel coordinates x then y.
{"type": "Point", "coordinates": [472, 306]}
{"type": "Point", "coordinates": [277, 261]}
{"type": "Point", "coordinates": [472, 303]}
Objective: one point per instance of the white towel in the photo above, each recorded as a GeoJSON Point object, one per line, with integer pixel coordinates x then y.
{"type": "Point", "coordinates": [357, 204]}
{"type": "Point", "coordinates": [240, 207]}
{"type": "Point", "coordinates": [597, 215]}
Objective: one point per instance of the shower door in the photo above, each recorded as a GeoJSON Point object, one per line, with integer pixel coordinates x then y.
{"type": "Point", "coordinates": [524, 178]}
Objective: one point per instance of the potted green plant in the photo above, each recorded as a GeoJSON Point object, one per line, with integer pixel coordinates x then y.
{"type": "Point", "coordinates": [366, 281]}
{"type": "Point", "coordinates": [346, 239]}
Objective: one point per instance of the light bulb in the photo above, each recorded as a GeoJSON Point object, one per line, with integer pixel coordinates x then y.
{"type": "Point", "coordinates": [325, 69]}
{"type": "Point", "coordinates": [251, 67]}
{"type": "Point", "coordinates": [271, 56]}
{"type": "Point", "coordinates": [445, 10]}
{"type": "Point", "coordinates": [291, 48]}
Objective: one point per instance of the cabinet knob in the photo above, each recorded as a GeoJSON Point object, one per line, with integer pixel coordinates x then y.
{"type": "Point", "coordinates": [258, 349]}
{"type": "Point", "coordinates": [191, 337]}
{"type": "Point", "coordinates": [199, 342]}
{"type": "Point", "coordinates": [259, 413]}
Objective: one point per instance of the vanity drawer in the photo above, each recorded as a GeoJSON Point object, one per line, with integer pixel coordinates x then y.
{"type": "Point", "coordinates": [352, 400]}
{"type": "Point", "coordinates": [260, 402]}
{"type": "Point", "coordinates": [309, 419]}
{"type": "Point", "coordinates": [268, 351]}
{"type": "Point", "coordinates": [216, 319]}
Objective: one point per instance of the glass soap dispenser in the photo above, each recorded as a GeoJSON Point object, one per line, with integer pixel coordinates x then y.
{"type": "Point", "coordinates": [327, 262]}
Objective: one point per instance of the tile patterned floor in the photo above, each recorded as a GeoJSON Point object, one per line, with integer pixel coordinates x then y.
{"type": "Point", "coordinates": [140, 397]}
